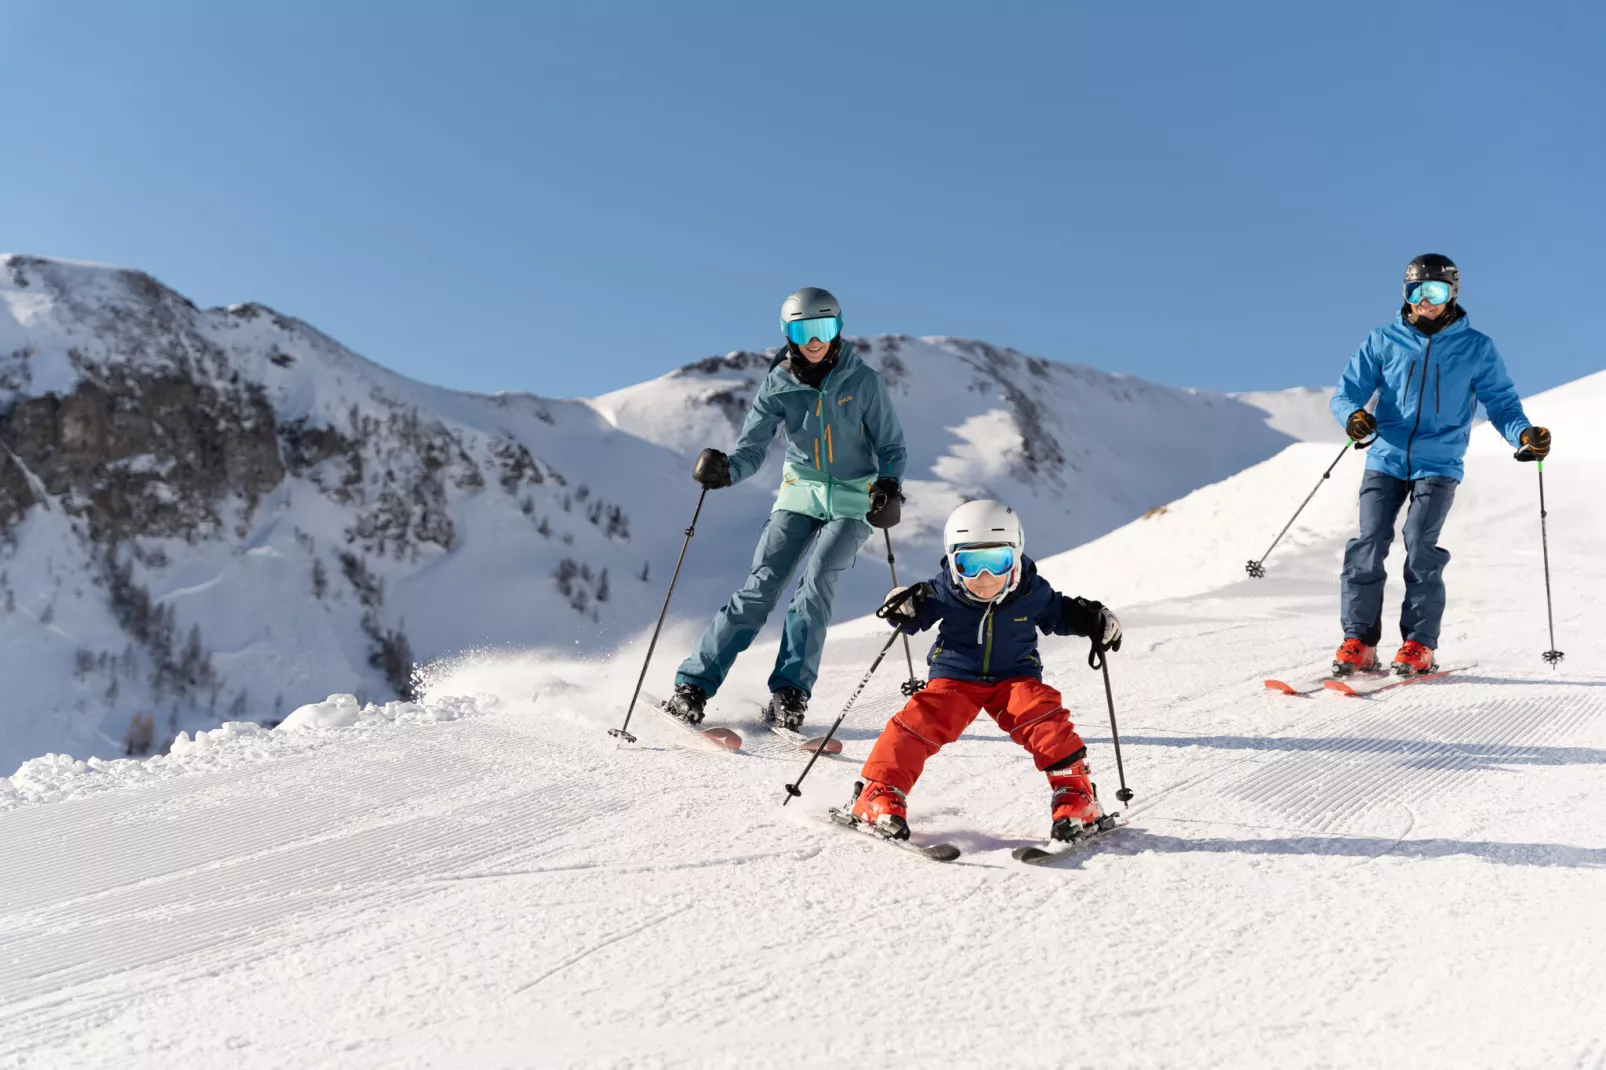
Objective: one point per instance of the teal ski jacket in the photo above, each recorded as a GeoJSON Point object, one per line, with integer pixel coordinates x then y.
{"type": "Point", "coordinates": [840, 438]}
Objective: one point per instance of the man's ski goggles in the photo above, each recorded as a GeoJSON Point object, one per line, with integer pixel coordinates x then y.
{"type": "Point", "coordinates": [999, 560]}
{"type": "Point", "coordinates": [1434, 293]}
{"type": "Point", "coordinates": [825, 328]}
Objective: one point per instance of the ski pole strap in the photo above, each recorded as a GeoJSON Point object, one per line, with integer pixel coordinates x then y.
{"type": "Point", "coordinates": [1095, 657]}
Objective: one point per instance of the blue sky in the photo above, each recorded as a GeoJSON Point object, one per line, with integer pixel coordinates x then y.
{"type": "Point", "coordinates": [571, 198]}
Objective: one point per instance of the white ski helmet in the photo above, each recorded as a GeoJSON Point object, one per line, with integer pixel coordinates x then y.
{"type": "Point", "coordinates": [984, 523]}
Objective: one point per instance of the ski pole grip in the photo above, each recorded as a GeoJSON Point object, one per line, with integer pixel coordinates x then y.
{"type": "Point", "coordinates": [1524, 455]}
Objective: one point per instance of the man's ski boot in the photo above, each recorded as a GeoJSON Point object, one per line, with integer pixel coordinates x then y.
{"type": "Point", "coordinates": [687, 703]}
{"type": "Point", "coordinates": [1354, 656]}
{"type": "Point", "coordinates": [882, 807]}
{"type": "Point", "coordinates": [1076, 802]}
{"type": "Point", "coordinates": [786, 708]}
{"type": "Point", "coordinates": [1415, 658]}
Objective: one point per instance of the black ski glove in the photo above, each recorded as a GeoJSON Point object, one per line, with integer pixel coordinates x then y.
{"type": "Point", "coordinates": [886, 503]}
{"type": "Point", "coordinates": [1535, 443]}
{"type": "Point", "coordinates": [1082, 616]}
{"type": "Point", "coordinates": [713, 469]}
{"type": "Point", "coordinates": [902, 604]}
{"type": "Point", "coordinates": [1360, 426]}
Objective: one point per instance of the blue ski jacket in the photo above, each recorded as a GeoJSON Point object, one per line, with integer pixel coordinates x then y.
{"type": "Point", "coordinates": [986, 642]}
{"type": "Point", "coordinates": [1428, 389]}
{"type": "Point", "coordinates": [840, 438]}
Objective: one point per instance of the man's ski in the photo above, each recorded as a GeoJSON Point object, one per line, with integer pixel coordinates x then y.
{"type": "Point", "coordinates": [1321, 685]}
{"type": "Point", "coordinates": [937, 852]}
{"type": "Point", "coordinates": [1350, 691]}
{"type": "Point", "coordinates": [723, 738]}
{"type": "Point", "coordinates": [1038, 856]}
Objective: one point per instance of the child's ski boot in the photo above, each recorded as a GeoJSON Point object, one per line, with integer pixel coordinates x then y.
{"type": "Point", "coordinates": [1354, 656]}
{"type": "Point", "coordinates": [882, 807]}
{"type": "Point", "coordinates": [1076, 802]}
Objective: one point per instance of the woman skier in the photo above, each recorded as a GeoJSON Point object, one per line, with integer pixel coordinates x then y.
{"type": "Point", "coordinates": [1429, 370]}
{"type": "Point", "coordinates": [844, 466]}
{"type": "Point", "coordinates": [989, 603]}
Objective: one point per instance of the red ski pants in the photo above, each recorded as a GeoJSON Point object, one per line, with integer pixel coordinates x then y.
{"type": "Point", "coordinates": [1031, 712]}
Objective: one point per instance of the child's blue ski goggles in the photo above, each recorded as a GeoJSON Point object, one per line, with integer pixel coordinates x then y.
{"type": "Point", "coordinates": [999, 560]}
{"type": "Point", "coordinates": [1434, 293]}
{"type": "Point", "coordinates": [825, 328]}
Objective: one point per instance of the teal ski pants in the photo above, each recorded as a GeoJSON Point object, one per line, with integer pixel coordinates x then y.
{"type": "Point", "coordinates": [786, 540]}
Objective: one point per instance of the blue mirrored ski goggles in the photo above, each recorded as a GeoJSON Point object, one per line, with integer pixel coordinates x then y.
{"type": "Point", "coordinates": [999, 560]}
{"type": "Point", "coordinates": [825, 328]}
{"type": "Point", "coordinates": [1434, 293]}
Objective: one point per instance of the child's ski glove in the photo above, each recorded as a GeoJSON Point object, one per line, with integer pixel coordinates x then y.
{"type": "Point", "coordinates": [902, 604]}
{"type": "Point", "coordinates": [1108, 629]}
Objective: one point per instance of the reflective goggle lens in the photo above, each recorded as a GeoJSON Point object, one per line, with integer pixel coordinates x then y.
{"type": "Point", "coordinates": [1434, 293]}
{"type": "Point", "coordinates": [999, 560]}
{"type": "Point", "coordinates": [825, 328]}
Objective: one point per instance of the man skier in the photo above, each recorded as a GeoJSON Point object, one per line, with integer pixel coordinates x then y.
{"type": "Point", "coordinates": [989, 604]}
{"type": "Point", "coordinates": [844, 467]}
{"type": "Point", "coordinates": [1429, 369]}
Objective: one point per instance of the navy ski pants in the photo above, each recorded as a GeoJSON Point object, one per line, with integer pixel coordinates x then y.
{"type": "Point", "coordinates": [786, 539]}
{"type": "Point", "coordinates": [1365, 556]}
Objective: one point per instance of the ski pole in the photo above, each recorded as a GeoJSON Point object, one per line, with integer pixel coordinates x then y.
{"type": "Point", "coordinates": [1096, 659]}
{"type": "Point", "coordinates": [1553, 656]}
{"type": "Point", "coordinates": [1257, 569]}
{"type": "Point", "coordinates": [622, 732]}
{"type": "Point", "coordinates": [792, 789]}
{"type": "Point", "coordinates": [914, 683]}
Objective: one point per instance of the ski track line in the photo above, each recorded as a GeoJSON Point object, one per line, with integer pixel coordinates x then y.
{"type": "Point", "coordinates": [626, 934]}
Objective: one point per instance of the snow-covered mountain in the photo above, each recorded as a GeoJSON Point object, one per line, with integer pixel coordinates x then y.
{"type": "Point", "coordinates": [219, 513]}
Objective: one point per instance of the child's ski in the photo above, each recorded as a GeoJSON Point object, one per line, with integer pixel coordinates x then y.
{"type": "Point", "coordinates": [1349, 691]}
{"type": "Point", "coordinates": [722, 738]}
{"type": "Point", "coordinates": [1038, 856]}
{"type": "Point", "coordinates": [937, 852]}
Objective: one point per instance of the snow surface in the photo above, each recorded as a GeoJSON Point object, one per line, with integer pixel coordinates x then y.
{"type": "Point", "coordinates": [484, 879]}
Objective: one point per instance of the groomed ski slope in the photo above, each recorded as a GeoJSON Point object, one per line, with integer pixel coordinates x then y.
{"type": "Point", "coordinates": [484, 880]}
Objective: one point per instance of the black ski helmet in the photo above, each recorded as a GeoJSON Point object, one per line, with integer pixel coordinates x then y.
{"type": "Point", "coordinates": [1431, 267]}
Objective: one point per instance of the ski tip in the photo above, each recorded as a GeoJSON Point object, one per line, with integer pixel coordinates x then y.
{"type": "Point", "coordinates": [940, 852]}
{"type": "Point", "coordinates": [833, 746]}
{"type": "Point", "coordinates": [1028, 854]}
{"type": "Point", "coordinates": [723, 737]}
{"type": "Point", "coordinates": [1278, 685]}
{"type": "Point", "coordinates": [1341, 687]}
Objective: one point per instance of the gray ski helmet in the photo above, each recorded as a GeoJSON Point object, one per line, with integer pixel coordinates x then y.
{"type": "Point", "coordinates": [1431, 267]}
{"type": "Point", "coordinates": [809, 303]}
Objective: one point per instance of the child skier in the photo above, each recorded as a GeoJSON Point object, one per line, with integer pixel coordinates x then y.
{"type": "Point", "coordinates": [990, 603]}
{"type": "Point", "coordinates": [1428, 369]}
